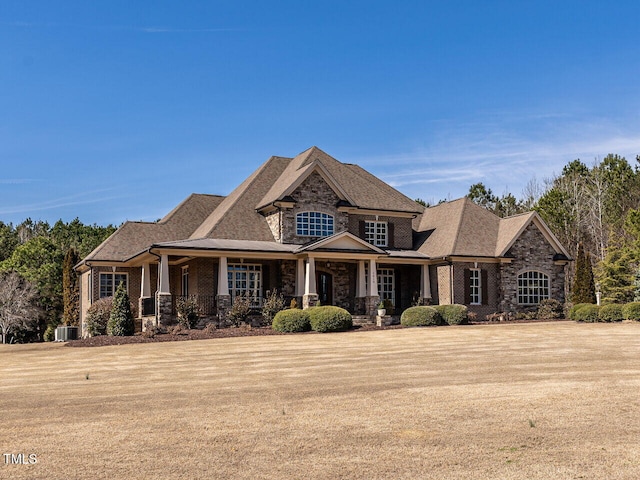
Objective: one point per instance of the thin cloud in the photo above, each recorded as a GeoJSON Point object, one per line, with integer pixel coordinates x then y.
{"type": "Point", "coordinates": [17, 181]}
{"type": "Point", "coordinates": [142, 29]}
{"type": "Point", "coordinates": [84, 198]}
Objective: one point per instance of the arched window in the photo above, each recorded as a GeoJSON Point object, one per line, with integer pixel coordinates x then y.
{"type": "Point", "coordinates": [314, 224]}
{"type": "Point", "coordinates": [533, 287]}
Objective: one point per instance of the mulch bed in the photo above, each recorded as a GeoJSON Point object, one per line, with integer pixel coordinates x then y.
{"type": "Point", "coordinates": [195, 334]}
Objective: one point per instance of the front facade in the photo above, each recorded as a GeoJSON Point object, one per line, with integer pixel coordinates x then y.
{"type": "Point", "coordinates": [321, 231]}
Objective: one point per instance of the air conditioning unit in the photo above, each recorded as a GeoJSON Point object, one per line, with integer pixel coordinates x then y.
{"type": "Point", "coordinates": [66, 333]}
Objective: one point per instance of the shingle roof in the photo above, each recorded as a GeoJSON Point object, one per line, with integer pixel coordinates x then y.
{"type": "Point", "coordinates": [462, 228]}
{"type": "Point", "coordinates": [352, 182]}
{"type": "Point", "coordinates": [133, 237]}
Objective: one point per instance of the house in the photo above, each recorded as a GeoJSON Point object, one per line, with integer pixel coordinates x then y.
{"type": "Point", "coordinates": [319, 230]}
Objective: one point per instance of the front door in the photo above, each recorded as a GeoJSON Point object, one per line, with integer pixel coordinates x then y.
{"type": "Point", "coordinates": [325, 288]}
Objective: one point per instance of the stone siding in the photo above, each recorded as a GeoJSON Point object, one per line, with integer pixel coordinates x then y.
{"type": "Point", "coordinates": [312, 195]}
{"type": "Point", "coordinates": [530, 252]}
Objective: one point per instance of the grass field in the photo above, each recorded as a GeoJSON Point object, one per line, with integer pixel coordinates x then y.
{"type": "Point", "coordinates": [523, 401]}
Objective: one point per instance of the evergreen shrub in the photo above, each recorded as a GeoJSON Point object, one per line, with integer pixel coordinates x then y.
{"type": "Point", "coordinates": [453, 314]}
{"type": "Point", "coordinates": [420, 316]}
{"type": "Point", "coordinates": [574, 309]}
{"type": "Point", "coordinates": [329, 319]}
{"type": "Point", "coordinates": [291, 320]}
{"type": "Point", "coordinates": [611, 312]}
{"type": "Point", "coordinates": [587, 312]}
{"type": "Point", "coordinates": [98, 316]}
{"type": "Point", "coordinates": [631, 311]}
{"type": "Point", "coordinates": [549, 308]}
{"type": "Point", "coordinates": [120, 322]}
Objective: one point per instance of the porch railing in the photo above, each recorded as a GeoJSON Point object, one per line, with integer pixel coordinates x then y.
{"type": "Point", "coordinates": [206, 303]}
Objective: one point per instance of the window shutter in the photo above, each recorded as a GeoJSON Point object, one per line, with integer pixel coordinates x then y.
{"type": "Point", "coordinates": [484, 287]}
{"type": "Point", "coordinates": [361, 226]}
{"type": "Point", "coordinates": [467, 286]}
{"type": "Point", "coordinates": [390, 235]}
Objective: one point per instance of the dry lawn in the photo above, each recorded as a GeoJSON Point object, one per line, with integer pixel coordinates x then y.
{"type": "Point", "coordinates": [527, 401]}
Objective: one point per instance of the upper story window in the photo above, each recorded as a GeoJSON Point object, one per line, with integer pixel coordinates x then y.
{"type": "Point", "coordinates": [376, 233]}
{"type": "Point", "coordinates": [109, 283]}
{"type": "Point", "coordinates": [314, 224]}
{"type": "Point", "coordinates": [533, 287]}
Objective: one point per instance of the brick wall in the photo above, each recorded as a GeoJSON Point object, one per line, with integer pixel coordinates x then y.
{"type": "Point", "coordinates": [492, 286]}
{"type": "Point", "coordinates": [530, 252]}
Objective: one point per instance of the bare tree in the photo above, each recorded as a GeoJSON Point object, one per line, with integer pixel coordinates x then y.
{"type": "Point", "coordinates": [17, 304]}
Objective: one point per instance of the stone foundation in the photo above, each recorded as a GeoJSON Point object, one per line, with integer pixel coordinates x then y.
{"type": "Point", "coordinates": [224, 305]}
{"type": "Point", "coordinates": [310, 300]}
{"type": "Point", "coordinates": [164, 309]}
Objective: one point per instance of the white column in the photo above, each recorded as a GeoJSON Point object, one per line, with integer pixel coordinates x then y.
{"type": "Point", "coordinates": [373, 278]}
{"type": "Point", "coordinates": [223, 280]}
{"type": "Point", "coordinates": [145, 287]}
{"type": "Point", "coordinates": [362, 280]}
{"type": "Point", "coordinates": [425, 281]}
{"type": "Point", "coordinates": [310, 277]}
{"type": "Point", "coordinates": [164, 275]}
{"type": "Point", "coordinates": [300, 278]}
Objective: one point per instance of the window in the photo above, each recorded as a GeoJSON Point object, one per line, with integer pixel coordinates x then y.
{"type": "Point", "coordinates": [376, 233]}
{"type": "Point", "coordinates": [533, 287]}
{"type": "Point", "coordinates": [475, 286]}
{"type": "Point", "coordinates": [314, 224]}
{"type": "Point", "coordinates": [109, 283]}
{"type": "Point", "coordinates": [245, 279]}
{"type": "Point", "coordinates": [185, 281]}
{"type": "Point", "coordinates": [386, 283]}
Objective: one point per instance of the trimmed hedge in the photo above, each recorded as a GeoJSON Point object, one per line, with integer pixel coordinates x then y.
{"type": "Point", "coordinates": [292, 320]}
{"type": "Point", "coordinates": [329, 319]}
{"type": "Point", "coordinates": [631, 311]}
{"type": "Point", "coordinates": [453, 314]}
{"type": "Point", "coordinates": [587, 312]}
{"type": "Point", "coordinates": [422, 316]}
{"type": "Point", "coordinates": [611, 312]}
{"type": "Point", "coordinates": [574, 309]}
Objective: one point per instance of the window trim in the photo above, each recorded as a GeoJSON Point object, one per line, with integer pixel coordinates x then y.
{"type": "Point", "coordinates": [114, 287]}
{"type": "Point", "coordinates": [475, 291]}
{"type": "Point", "coordinates": [184, 280]}
{"type": "Point", "coordinates": [535, 290]}
{"type": "Point", "coordinates": [307, 215]}
{"type": "Point", "coordinates": [256, 296]}
{"type": "Point", "coordinates": [372, 235]}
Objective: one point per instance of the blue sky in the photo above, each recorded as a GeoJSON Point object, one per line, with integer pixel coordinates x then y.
{"type": "Point", "coordinates": [117, 110]}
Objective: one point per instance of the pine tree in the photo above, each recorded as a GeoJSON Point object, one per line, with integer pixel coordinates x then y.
{"type": "Point", "coordinates": [70, 289]}
{"type": "Point", "coordinates": [121, 319]}
{"type": "Point", "coordinates": [584, 290]}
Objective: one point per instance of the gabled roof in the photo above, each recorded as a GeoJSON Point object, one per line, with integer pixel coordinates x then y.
{"type": "Point", "coordinates": [236, 217]}
{"type": "Point", "coordinates": [132, 237]}
{"type": "Point", "coordinates": [341, 241]}
{"type": "Point", "coordinates": [351, 183]}
{"type": "Point", "coordinates": [462, 228]}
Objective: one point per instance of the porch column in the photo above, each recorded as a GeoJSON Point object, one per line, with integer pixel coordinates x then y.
{"type": "Point", "coordinates": [223, 299]}
{"type": "Point", "coordinates": [300, 278]}
{"type": "Point", "coordinates": [164, 304]}
{"type": "Point", "coordinates": [362, 280]}
{"type": "Point", "coordinates": [425, 285]}
{"type": "Point", "coordinates": [372, 298]}
{"type": "Point", "coordinates": [145, 294]}
{"type": "Point", "coordinates": [310, 297]}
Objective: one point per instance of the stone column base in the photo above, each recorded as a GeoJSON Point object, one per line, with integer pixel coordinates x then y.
{"type": "Point", "coordinates": [310, 300]}
{"type": "Point", "coordinates": [164, 309]}
{"type": "Point", "coordinates": [371, 305]}
{"type": "Point", "coordinates": [223, 303]}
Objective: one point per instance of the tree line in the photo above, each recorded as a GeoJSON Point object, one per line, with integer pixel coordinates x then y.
{"type": "Point", "coordinates": [38, 287]}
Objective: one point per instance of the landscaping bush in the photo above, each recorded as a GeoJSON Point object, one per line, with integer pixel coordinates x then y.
{"type": "Point", "coordinates": [120, 322]}
{"type": "Point", "coordinates": [611, 312]}
{"type": "Point", "coordinates": [292, 320]}
{"type": "Point", "coordinates": [421, 316]}
{"type": "Point", "coordinates": [631, 311]}
{"type": "Point", "coordinates": [549, 308]}
{"type": "Point", "coordinates": [453, 314]}
{"type": "Point", "coordinates": [574, 309]}
{"type": "Point", "coordinates": [273, 303]}
{"type": "Point", "coordinates": [587, 312]}
{"type": "Point", "coordinates": [98, 316]}
{"type": "Point", "coordinates": [240, 310]}
{"type": "Point", "coordinates": [188, 311]}
{"type": "Point", "coordinates": [329, 319]}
